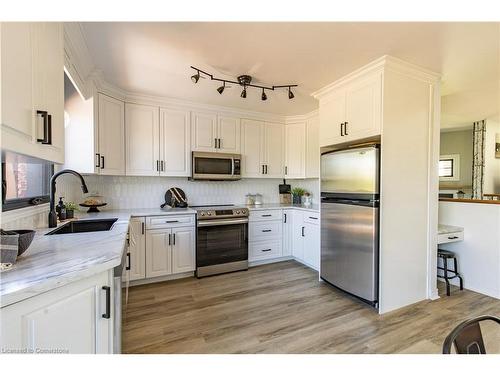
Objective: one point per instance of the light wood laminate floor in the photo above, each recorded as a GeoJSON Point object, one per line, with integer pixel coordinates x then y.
{"type": "Point", "coordinates": [282, 308]}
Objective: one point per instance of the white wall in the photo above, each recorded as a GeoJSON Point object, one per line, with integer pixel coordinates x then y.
{"type": "Point", "coordinates": [479, 253]}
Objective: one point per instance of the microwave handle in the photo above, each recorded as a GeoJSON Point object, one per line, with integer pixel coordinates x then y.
{"type": "Point", "coordinates": [232, 166]}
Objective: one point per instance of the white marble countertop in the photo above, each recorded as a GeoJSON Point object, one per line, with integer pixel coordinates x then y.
{"type": "Point", "coordinates": [445, 229]}
{"type": "Point", "coordinates": [267, 206]}
{"type": "Point", "coordinates": [53, 261]}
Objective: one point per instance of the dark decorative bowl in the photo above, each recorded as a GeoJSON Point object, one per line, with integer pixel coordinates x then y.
{"type": "Point", "coordinates": [25, 239]}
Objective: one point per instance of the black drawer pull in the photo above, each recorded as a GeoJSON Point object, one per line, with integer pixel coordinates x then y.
{"type": "Point", "coordinates": [303, 232]}
{"type": "Point", "coordinates": [171, 221]}
{"type": "Point", "coordinates": [267, 215]}
{"type": "Point", "coordinates": [266, 230]}
{"type": "Point", "coordinates": [128, 263]}
{"type": "Point", "coordinates": [98, 164]}
{"type": "Point", "coordinates": [173, 242]}
{"type": "Point", "coordinates": [285, 218]}
{"type": "Point", "coordinates": [107, 314]}
{"type": "Point", "coordinates": [102, 162]}
{"type": "Point", "coordinates": [312, 217]}
{"type": "Point", "coordinates": [453, 237]}
{"type": "Point", "coordinates": [265, 250]}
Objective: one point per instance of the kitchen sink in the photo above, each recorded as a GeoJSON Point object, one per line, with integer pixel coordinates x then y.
{"type": "Point", "coordinates": [82, 226]}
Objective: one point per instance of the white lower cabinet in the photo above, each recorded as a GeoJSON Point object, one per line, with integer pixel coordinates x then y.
{"type": "Point", "coordinates": [137, 249]}
{"type": "Point", "coordinates": [261, 250]}
{"type": "Point", "coordinates": [78, 310]}
{"type": "Point", "coordinates": [306, 238]}
{"type": "Point", "coordinates": [170, 247]}
{"type": "Point", "coordinates": [287, 232]}
{"type": "Point", "coordinates": [265, 235]}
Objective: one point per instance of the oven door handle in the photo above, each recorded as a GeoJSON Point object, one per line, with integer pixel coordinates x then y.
{"type": "Point", "coordinates": [213, 223]}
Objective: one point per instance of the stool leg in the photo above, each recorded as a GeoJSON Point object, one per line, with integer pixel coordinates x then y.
{"type": "Point", "coordinates": [445, 266]}
{"type": "Point", "coordinates": [458, 275]}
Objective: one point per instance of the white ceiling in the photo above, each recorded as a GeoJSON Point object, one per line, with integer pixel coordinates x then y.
{"type": "Point", "coordinates": [154, 58]}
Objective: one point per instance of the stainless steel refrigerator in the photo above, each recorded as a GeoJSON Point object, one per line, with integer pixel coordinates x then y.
{"type": "Point", "coordinates": [350, 220]}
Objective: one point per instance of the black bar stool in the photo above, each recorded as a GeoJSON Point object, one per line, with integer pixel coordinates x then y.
{"type": "Point", "coordinates": [445, 255]}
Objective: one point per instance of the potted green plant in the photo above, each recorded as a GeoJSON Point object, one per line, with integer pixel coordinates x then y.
{"type": "Point", "coordinates": [297, 193]}
{"type": "Point", "coordinates": [71, 207]}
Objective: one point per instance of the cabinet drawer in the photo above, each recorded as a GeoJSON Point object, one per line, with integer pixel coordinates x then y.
{"type": "Point", "coordinates": [158, 222]}
{"type": "Point", "coordinates": [262, 215]}
{"type": "Point", "coordinates": [264, 250]}
{"type": "Point", "coordinates": [311, 217]}
{"type": "Point", "coordinates": [450, 237]}
{"type": "Point", "coordinates": [264, 230]}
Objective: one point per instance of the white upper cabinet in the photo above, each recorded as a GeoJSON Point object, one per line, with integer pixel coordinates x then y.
{"type": "Point", "coordinates": [228, 134]}
{"type": "Point", "coordinates": [111, 136]}
{"type": "Point", "coordinates": [142, 131]}
{"type": "Point", "coordinates": [273, 150]}
{"type": "Point", "coordinates": [252, 134]}
{"type": "Point", "coordinates": [215, 133]}
{"type": "Point", "coordinates": [351, 111]}
{"type": "Point", "coordinates": [295, 150]}
{"type": "Point", "coordinates": [175, 134]}
{"type": "Point", "coordinates": [204, 131]}
{"type": "Point", "coordinates": [32, 90]}
{"type": "Point", "coordinates": [312, 148]}
{"type": "Point", "coordinates": [363, 116]}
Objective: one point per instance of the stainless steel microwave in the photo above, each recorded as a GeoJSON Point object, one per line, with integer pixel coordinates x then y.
{"type": "Point", "coordinates": [215, 166]}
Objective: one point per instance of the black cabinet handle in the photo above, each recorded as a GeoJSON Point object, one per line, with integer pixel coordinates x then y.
{"type": "Point", "coordinates": [107, 314]}
{"type": "Point", "coordinates": [312, 217]}
{"type": "Point", "coordinates": [266, 168]}
{"type": "Point", "coordinates": [262, 168]}
{"type": "Point", "coordinates": [47, 128]}
{"type": "Point", "coordinates": [102, 162]}
{"type": "Point", "coordinates": [286, 170]}
{"type": "Point", "coordinates": [265, 250]}
{"type": "Point", "coordinates": [215, 142]}
{"type": "Point", "coordinates": [98, 164]}
{"type": "Point", "coordinates": [174, 239]}
{"type": "Point", "coordinates": [157, 166]}
{"type": "Point", "coordinates": [171, 221]}
{"type": "Point", "coordinates": [303, 232]}
{"type": "Point", "coordinates": [169, 239]}
{"type": "Point", "coordinates": [142, 228]}
{"type": "Point", "coordinates": [285, 217]}
{"type": "Point", "coordinates": [453, 237]}
{"type": "Point", "coordinates": [345, 128]}
{"type": "Point", "coordinates": [218, 142]}
{"type": "Point", "coordinates": [266, 215]}
{"type": "Point", "coordinates": [341, 129]}
{"type": "Point", "coordinates": [266, 230]}
{"type": "Point", "coordinates": [161, 166]}
{"type": "Point", "coordinates": [128, 262]}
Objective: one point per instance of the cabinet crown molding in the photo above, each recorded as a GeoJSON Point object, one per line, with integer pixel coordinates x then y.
{"type": "Point", "coordinates": [382, 63]}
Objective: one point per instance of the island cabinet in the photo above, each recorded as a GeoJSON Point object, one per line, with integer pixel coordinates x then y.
{"type": "Point", "coordinates": [136, 255]}
{"type": "Point", "coordinates": [32, 89]}
{"type": "Point", "coordinates": [74, 318]}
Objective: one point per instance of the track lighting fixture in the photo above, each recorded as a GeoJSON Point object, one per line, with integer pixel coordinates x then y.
{"type": "Point", "coordinates": [220, 90]}
{"type": "Point", "coordinates": [243, 80]}
{"type": "Point", "coordinates": [264, 96]}
{"type": "Point", "coordinates": [196, 77]}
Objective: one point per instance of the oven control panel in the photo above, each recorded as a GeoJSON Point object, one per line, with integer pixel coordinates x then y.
{"type": "Point", "coordinates": [222, 213]}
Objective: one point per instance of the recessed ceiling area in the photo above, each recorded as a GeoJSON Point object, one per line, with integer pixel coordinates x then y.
{"type": "Point", "coordinates": [155, 59]}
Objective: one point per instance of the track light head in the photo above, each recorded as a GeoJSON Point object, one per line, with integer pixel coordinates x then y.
{"type": "Point", "coordinates": [264, 96]}
{"type": "Point", "coordinates": [244, 92]}
{"type": "Point", "coordinates": [220, 90]}
{"type": "Point", "coordinates": [290, 93]}
{"type": "Point", "coordinates": [195, 77]}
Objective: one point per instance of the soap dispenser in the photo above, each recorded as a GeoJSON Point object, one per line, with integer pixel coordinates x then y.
{"type": "Point", "coordinates": [61, 209]}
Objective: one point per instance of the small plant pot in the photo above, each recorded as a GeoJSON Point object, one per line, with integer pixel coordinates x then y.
{"type": "Point", "coordinates": [70, 214]}
{"type": "Point", "coordinates": [296, 199]}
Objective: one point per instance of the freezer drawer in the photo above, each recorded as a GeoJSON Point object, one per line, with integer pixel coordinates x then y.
{"type": "Point", "coordinates": [349, 248]}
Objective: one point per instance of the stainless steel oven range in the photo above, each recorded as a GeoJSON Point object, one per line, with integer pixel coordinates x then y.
{"type": "Point", "coordinates": [221, 239]}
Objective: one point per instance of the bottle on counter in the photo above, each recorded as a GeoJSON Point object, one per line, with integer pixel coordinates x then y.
{"type": "Point", "coordinates": [61, 209]}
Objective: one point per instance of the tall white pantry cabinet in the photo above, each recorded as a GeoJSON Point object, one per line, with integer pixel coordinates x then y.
{"type": "Point", "coordinates": [398, 104]}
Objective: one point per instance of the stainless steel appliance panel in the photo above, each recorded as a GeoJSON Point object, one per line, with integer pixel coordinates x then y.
{"type": "Point", "coordinates": [349, 248]}
{"type": "Point", "coordinates": [351, 171]}
{"type": "Point", "coordinates": [216, 166]}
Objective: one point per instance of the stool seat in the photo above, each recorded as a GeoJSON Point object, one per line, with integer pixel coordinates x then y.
{"type": "Point", "coordinates": [446, 253]}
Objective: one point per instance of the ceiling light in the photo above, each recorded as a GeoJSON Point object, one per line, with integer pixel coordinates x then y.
{"type": "Point", "coordinates": [264, 96]}
{"type": "Point", "coordinates": [243, 80]}
{"type": "Point", "coordinates": [196, 77]}
{"type": "Point", "coordinates": [221, 89]}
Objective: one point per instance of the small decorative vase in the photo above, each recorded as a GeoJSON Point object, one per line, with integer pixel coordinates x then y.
{"type": "Point", "coordinates": [70, 214]}
{"type": "Point", "coordinates": [296, 199]}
